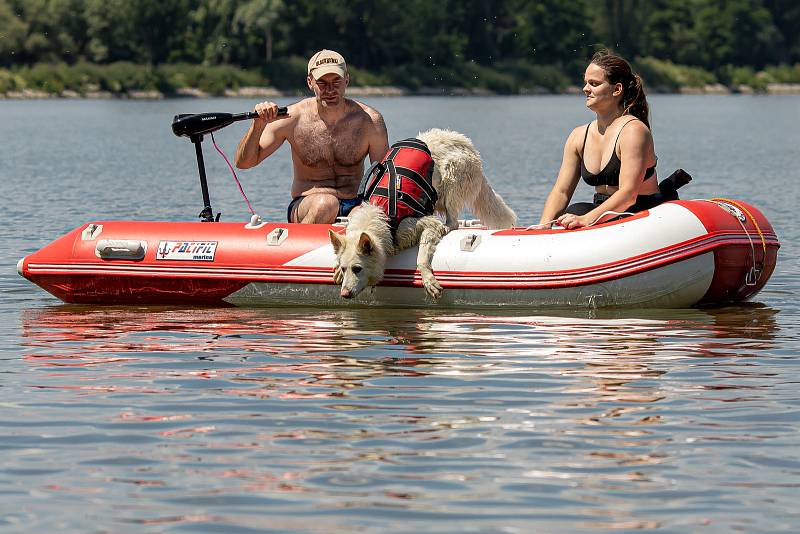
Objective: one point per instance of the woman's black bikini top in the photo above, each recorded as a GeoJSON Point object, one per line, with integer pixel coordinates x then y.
{"type": "Point", "coordinates": [609, 175]}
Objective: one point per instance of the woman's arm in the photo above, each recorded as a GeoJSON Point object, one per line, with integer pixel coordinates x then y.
{"type": "Point", "coordinates": [635, 147]}
{"type": "Point", "coordinates": [567, 181]}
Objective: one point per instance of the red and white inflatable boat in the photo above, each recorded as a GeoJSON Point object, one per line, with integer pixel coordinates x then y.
{"type": "Point", "coordinates": [679, 254]}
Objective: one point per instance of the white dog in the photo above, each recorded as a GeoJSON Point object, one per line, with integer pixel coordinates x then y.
{"type": "Point", "coordinates": [459, 182]}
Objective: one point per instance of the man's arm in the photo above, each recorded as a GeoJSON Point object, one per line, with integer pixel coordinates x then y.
{"type": "Point", "coordinates": [378, 137]}
{"type": "Point", "coordinates": [263, 138]}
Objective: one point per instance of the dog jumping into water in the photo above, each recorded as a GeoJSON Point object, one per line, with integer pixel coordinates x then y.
{"type": "Point", "coordinates": [458, 181]}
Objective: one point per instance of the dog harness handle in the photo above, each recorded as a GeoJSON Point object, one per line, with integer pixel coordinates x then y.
{"type": "Point", "coordinates": [392, 190]}
{"type": "Point", "coordinates": [402, 183]}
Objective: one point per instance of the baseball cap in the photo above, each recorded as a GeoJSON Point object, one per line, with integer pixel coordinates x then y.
{"type": "Point", "coordinates": [326, 62]}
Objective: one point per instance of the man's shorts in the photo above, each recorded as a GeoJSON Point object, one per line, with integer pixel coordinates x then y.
{"type": "Point", "coordinates": [346, 205]}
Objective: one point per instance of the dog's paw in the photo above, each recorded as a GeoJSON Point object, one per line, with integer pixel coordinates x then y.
{"type": "Point", "coordinates": [432, 287]}
{"type": "Point", "coordinates": [338, 274]}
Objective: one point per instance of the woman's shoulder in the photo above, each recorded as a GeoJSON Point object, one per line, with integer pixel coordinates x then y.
{"type": "Point", "coordinates": [634, 130]}
{"type": "Point", "coordinates": [634, 137]}
{"type": "Point", "coordinates": [577, 135]}
{"type": "Point", "coordinates": [579, 132]}
{"type": "Point", "coordinates": [635, 126]}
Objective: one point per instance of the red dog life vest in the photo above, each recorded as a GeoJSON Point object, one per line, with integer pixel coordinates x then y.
{"type": "Point", "coordinates": [401, 182]}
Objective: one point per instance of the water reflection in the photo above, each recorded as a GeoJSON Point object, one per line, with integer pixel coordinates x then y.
{"type": "Point", "coordinates": [329, 352]}
{"type": "Point", "coordinates": [88, 330]}
{"type": "Point", "coordinates": [475, 416]}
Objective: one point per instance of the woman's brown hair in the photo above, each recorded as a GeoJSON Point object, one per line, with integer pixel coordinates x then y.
{"type": "Point", "coordinates": [634, 100]}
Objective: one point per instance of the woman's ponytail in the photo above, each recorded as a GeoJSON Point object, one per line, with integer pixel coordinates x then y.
{"type": "Point", "coordinates": [634, 100]}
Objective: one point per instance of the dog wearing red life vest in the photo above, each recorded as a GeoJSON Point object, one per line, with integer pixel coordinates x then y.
{"type": "Point", "coordinates": [408, 202]}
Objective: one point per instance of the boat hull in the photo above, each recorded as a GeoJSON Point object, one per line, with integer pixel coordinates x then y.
{"type": "Point", "coordinates": [680, 254]}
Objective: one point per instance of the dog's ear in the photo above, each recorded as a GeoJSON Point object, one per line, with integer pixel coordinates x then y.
{"type": "Point", "coordinates": [365, 245]}
{"type": "Point", "coordinates": [336, 241]}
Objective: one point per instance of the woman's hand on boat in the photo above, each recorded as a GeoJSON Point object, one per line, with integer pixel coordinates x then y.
{"type": "Point", "coordinates": [570, 221]}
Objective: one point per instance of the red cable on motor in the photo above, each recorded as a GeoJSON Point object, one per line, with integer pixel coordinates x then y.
{"type": "Point", "coordinates": [233, 173]}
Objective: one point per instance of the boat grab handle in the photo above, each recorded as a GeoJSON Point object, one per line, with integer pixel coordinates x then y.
{"type": "Point", "coordinates": [121, 249]}
{"type": "Point", "coordinates": [277, 236]}
{"type": "Point", "coordinates": [470, 242]}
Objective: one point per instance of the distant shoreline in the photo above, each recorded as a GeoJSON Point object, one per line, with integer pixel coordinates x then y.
{"type": "Point", "coordinates": [375, 91]}
{"type": "Point", "coordinates": [125, 80]}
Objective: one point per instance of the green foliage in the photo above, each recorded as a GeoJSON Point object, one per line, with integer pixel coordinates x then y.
{"type": "Point", "coordinates": [288, 73]}
{"type": "Point", "coordinates": [662, 75]}
{"type": "Point", "coordinates": [550, 31]}
{"type": "Point", "coordinates": [501, 45]}
{"type": "Point", "coordinates": [488, 78]}
{"type": "Point", "coordinates": [256, 19]}
{"type": "Point", "coordinates": [735, 77]}
{"type": "Point", "coordinates": [45, 77]}
{"type": "Point", "coordinates": [737, 32]}
{"type": "Point", "coordinates": [211, 79]}
{"type": "Point", "coordinates": [786, 16]}
{"type": "Point", "coordinates": [531, 77]}
{"type": "Point", "coordinates": [13, 34]}
{"type": "Point", "coordinates": [671, 34]}
{"type": "Point", "coordinates": [10, 81]}
{"type": "Point", "coordinates": [783, 74]}
{"type": "Point", "coordinates": [124, 76]}
{"type": "Point", "coordinates": [365, 77]}
{"type": "Point", "coordinates": [42, 30]}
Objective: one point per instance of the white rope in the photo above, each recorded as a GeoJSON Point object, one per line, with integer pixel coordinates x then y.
{"type": "Point", "coordinates": [541, 226]}
{"type": "Point", "coordinates": [617, 213]}
{"type": "Point", "coordinates": [548, 224]}
{"type": "Point", "coordinates": [752, 277]}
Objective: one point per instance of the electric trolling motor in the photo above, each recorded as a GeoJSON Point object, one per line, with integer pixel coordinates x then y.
{"type": "Point", "coordinates": [194, 126]}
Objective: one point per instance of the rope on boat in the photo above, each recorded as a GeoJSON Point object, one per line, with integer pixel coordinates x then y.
{"type": "Point", "coordinates": [221, 153]}
{"type": "Point", "coordinates": [754, 275]}
{"type": "Point", "coordinates": [609, 212]}
{"type": "Point", "coordinates": [541, 226]}
{"type": "Point", "coordinates": [548, 224]}
{"type": "Point", "coordinates": [750, 215]}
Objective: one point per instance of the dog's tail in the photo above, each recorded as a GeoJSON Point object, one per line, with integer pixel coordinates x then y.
{"type": "Point", "coordinates": [491, 209]}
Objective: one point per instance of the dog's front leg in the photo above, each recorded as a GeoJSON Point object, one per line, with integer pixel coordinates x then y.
{"type": "Point", "coordinates": [427, 246]}
{"type": "Point", "coordinates": [426, 232]}
{"type": "Point", "coordinates": [432, 231]}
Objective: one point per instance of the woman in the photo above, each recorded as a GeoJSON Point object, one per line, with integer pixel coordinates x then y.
{"type": "Point", "coordinates": [613, 153]}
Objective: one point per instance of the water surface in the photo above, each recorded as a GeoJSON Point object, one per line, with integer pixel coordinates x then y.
{"type": "Point", "coordinates": [131, 419]}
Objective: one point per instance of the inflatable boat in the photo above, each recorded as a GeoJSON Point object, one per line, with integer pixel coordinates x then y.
{"type": "Point", "coordinates": [679, 254]}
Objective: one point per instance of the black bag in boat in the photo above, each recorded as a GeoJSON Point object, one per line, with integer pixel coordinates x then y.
{"type": "Point", "coordinates": [669, 186]}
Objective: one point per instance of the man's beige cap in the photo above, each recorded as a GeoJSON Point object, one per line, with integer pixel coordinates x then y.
{"type": "Point", "coordinates": [326, 62]}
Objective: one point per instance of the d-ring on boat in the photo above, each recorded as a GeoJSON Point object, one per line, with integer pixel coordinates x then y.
{"type": "Point", "coordinates": [679, 254]}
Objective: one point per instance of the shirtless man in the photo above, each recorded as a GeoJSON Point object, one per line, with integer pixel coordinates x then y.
{"type": "Point", "coordinates": [329, 135]}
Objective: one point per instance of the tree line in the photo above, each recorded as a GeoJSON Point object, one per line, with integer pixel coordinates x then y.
{"type": "Point", "coordinates": [412, 42]}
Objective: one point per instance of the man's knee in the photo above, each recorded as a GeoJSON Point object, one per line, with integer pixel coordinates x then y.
{"type": "Point", "coordinates": [318, 209]}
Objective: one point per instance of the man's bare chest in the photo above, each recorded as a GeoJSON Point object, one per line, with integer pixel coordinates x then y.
{"type": "Point", "coordinates": [317, 144]}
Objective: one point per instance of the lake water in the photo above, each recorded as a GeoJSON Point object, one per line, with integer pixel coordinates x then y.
{"type": "Point", "coordinates": [122, 419]}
